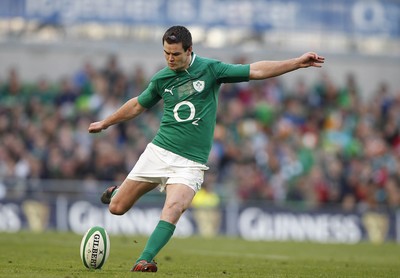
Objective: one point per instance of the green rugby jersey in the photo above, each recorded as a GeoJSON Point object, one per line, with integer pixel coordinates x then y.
{"type": "Point", "coordinates": [190, 104]}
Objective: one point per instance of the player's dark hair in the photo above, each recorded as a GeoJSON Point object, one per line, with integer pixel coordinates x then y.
{"type": "Point", "coordinates": [177, 34]}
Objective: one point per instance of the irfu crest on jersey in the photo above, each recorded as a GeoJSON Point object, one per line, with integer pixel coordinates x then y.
{"type": "Point", "coordinates": [198, 85]}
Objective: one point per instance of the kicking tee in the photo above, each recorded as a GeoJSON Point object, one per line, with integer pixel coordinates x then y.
{"type": "Point", "coordinates": [190, 104]}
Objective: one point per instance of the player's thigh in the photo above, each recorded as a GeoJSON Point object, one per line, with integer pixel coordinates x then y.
{"type": "Point", "coordinates": [131, 190]}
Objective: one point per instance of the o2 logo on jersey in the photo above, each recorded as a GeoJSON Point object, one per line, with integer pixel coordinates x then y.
{"type": "Point", "coordinates": [191, 115]}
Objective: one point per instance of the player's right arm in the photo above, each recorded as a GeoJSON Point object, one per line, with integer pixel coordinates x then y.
{"type": "Point", "coordinates": [127, 111]}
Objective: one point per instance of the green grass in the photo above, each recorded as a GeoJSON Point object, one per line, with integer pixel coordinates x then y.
{"type": "Point", "coordinates": [57, 255]}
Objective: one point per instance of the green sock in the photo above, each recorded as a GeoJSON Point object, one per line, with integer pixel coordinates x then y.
{"type": "Point", "coordinates": [160, 236]}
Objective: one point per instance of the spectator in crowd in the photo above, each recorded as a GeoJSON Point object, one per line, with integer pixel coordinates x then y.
{"type": "Point", "coordinates": [206, 204]}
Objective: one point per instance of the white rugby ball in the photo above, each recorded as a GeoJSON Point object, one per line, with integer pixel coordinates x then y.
{"type": "Point", "coordinates": [95, 247]}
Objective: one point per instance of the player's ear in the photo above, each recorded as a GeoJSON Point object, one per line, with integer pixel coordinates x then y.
{"type": "Point", "coordinates": [189, 51]}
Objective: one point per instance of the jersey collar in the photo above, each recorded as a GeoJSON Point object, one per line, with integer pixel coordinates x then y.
{"type": "Point", "coordinates": [192, 61]}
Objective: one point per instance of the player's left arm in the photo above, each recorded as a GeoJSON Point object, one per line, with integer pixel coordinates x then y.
{"type": "Point", "coordinates": [266, 69]}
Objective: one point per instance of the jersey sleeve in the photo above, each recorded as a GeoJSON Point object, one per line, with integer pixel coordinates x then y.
{"type": "Point", "coordinates": [149, 97]}
{"type": "Point", "coordinates": [231, 73]}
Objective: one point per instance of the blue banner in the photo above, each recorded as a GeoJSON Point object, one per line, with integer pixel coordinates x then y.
{"type": "Point", "coordinates": [352, 17]}
{"type": "Point", "coordinates": [248, 222]}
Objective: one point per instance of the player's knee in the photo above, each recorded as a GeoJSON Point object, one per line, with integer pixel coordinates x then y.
{"type": "Point", "coordinates": [178, 206]}
{"type": "Point", "coordinates": [173, 211]}
{"type": "Point", "coordinates": [117, 209]}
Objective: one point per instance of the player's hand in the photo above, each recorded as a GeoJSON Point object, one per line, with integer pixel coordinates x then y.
{"type": "Point", "coordinates": [311, 59]}
{"type": "Point", "coordinates": [96, 127]}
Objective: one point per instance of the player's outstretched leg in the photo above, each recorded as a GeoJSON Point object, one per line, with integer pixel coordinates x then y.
{"type": "Point", "coordinates": [108, 194]}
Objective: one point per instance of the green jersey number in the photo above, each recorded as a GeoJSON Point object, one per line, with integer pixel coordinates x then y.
{"type": "Point", "coordinates": [192, 112]}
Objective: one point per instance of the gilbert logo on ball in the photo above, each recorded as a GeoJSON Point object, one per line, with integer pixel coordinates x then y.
{"type": "Point", "coordinates": [95, 247]}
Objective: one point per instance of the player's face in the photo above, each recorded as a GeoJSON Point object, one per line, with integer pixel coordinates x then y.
{"type": "Point", "coordinates": [177, 58]}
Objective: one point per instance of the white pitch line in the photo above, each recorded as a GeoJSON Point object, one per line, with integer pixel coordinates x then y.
{"type": "Point", "coordinates": [232, 254]}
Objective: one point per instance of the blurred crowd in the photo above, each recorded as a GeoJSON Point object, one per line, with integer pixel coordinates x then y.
{"type": "Point", "coordinates": [315, 145]}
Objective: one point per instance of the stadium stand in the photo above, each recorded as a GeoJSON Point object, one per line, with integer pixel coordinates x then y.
{"type": "Point", "coordinates": [318, 145]}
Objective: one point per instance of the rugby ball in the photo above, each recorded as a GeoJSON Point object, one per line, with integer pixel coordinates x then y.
{"type": "Point", "coordinates": [95, 247]}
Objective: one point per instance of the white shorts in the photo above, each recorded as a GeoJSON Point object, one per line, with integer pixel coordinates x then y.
{"type": "Point", "coordinates": [157, 165]}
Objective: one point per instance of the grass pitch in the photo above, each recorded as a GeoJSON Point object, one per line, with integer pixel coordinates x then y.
{"type": "Point", "coordinates": [53, 254]}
